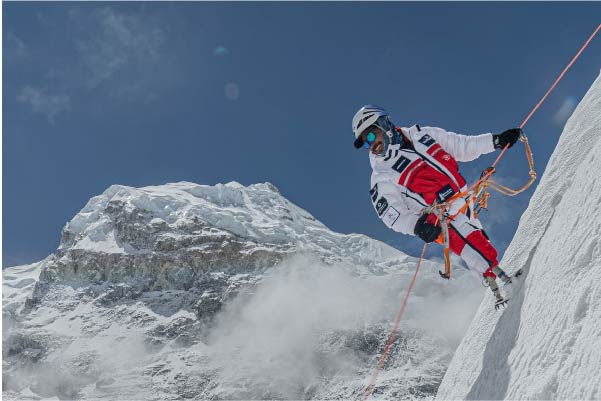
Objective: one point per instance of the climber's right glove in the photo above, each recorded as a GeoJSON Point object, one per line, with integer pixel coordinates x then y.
{"type": "Point", "coordinates": [507, 137]}
{"type": "Point", "coordinates": [426, 229]}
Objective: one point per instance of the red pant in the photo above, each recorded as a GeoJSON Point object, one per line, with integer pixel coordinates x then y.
{"type": "Point", "coordinates": [468, 240]}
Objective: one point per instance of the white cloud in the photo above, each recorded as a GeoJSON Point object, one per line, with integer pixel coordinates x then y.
{"type": "Point", "coordinates": [274, 337]}
{"type": "Point", "coordinates": [565, 111]}
{"type": "Point", "coordinates": [43, 103]}
{"type": "Point", "coordinates": [13, 47]}
{"type": "Point", "coordinates": [121, 44]}
{"type": "Point", "coordinates": [118, 54]}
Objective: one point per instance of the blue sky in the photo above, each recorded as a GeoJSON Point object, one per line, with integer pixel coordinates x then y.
{"type": "Point", "coordinates": [147, 93]}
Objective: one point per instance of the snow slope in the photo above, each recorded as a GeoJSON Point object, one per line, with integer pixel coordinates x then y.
{"type": "Point", "coordinates": [547, 343]}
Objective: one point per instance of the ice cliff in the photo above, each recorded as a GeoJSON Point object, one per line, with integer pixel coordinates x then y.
{"type": "Point", "coordinates": [547, 343]}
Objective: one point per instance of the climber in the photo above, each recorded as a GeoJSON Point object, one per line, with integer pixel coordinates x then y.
{"type": "Point", "coordinates": [415, 168]}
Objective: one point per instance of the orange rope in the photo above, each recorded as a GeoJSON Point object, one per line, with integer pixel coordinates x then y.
{"type": "Point", "coordinates": [559, 78]}
{"type": "Point", "coordinates": [392, 335]}
{"type": "Point", "coordinates": [486, 176]}
{"type": "Point", "coordinates": [539, 104]}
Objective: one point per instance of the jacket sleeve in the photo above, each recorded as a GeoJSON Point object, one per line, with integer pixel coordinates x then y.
{"type": "Point", "coordinates": [391, 206]}
{"type": "Point", "coordinates": [463, 148]}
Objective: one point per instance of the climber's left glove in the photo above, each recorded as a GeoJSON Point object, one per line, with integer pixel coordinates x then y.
{"type": "Point", "coordinates": [508, 137]}
{"type": "Point", "coordinates": [426, 228]}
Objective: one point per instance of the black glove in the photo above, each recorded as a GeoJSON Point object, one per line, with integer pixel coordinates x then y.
{"type": "Point", "coordinates": [425, 230]}
{"type": "Point", "coordinates": [508, 137]}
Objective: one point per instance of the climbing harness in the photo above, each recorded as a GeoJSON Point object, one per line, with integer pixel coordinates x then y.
{"type": "Point", "coordinates": [480, 196]}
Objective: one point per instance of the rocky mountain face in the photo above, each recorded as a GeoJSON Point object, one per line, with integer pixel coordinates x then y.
{"type": "Point", "coordinates": [224, 292]}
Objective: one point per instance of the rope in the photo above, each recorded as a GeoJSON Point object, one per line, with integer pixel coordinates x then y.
{"type": "Point", "coordinates": [392, 335]}
{"type": "Point", "coordinates": [486, 176]}
{"type": "Point", "coordinates": [482, 181]}
{"type": "Point", "coordinates": [559, 78]}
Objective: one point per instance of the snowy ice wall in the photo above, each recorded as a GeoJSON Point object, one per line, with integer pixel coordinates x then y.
{"type": "Point", "coordinates": [547, 343]}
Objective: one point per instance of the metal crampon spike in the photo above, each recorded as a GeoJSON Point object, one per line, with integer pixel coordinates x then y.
{"type": "Point", "coordinates": [502, 302]}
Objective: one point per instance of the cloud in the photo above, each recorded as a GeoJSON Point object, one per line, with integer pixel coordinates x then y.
{"type": "Point", "coordinates": [119, 44]}
{"type": "Point", "coordinates": [276, 337]}
{"type": "Point", "coordinates": [43, 103]}
{"type": "Point", "coordinates": [13, 47]}
{"type": "Point", "coordinates": [565, 111]}
{"type": "Point", "coordinates": [110, 53]}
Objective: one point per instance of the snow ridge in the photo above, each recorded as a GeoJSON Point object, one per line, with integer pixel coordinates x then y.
{"type": "Point", "coordinates": [255, 213]}
{"type": "Point", "coordinates": [546, 344]}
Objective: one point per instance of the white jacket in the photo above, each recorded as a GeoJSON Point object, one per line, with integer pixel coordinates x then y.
{"type": "Point", "coordinates": [403, 180]}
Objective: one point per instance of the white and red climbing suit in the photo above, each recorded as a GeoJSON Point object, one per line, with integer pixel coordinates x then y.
{"type": "Point", "coordinates": [412, 176]}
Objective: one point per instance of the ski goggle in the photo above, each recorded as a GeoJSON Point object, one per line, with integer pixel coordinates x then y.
{"type": "Point", "coordinates": [371, 137]}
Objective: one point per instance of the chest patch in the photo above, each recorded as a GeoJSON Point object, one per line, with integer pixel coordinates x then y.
{"type": "Point", "coordinates": [381, 206]}
{"type": "Point", "coordinates": [401, 164]}
{"type": "Point", "coordinates": [426, 140]}
{"type": "Point", "coordinates": [390, 216]}
{"type": "Point", "coordinates": [374, 193]}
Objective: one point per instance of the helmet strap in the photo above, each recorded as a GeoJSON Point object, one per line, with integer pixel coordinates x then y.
{"type": "Point", "coordinates": [388, 140]}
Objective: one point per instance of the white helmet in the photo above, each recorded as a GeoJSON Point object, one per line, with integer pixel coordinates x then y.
{"type": "Point", "coordinates": [366, 116]}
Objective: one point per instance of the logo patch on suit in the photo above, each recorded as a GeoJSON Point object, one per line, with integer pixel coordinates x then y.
{"type": "Point", "coordinates": [381, 206]}
{"type": "Point", "coordinates": [445, 193]}
{"type": "Point", "coordinates": [374, 193]}
{"type": "Point", "coordinates": [401, 164]}
{"type": "Point", "coordinates": [391, 216]}
{"type": "Point", "coordinates": [427, 140]}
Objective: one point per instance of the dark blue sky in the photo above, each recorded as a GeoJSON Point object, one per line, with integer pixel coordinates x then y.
{"type": "Point", "coordinates": [135, 94]}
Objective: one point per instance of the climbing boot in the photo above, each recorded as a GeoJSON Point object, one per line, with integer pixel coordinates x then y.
{"type": "Point", "coordinates": [502, 275]}
{"type": "Point", "coordinates": [492, 284]}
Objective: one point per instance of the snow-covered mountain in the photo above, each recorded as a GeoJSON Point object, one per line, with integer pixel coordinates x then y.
{"type": "Point", "coordinates": [547, 343]}
{"type": "Point", "coordinates": [222, 292]}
